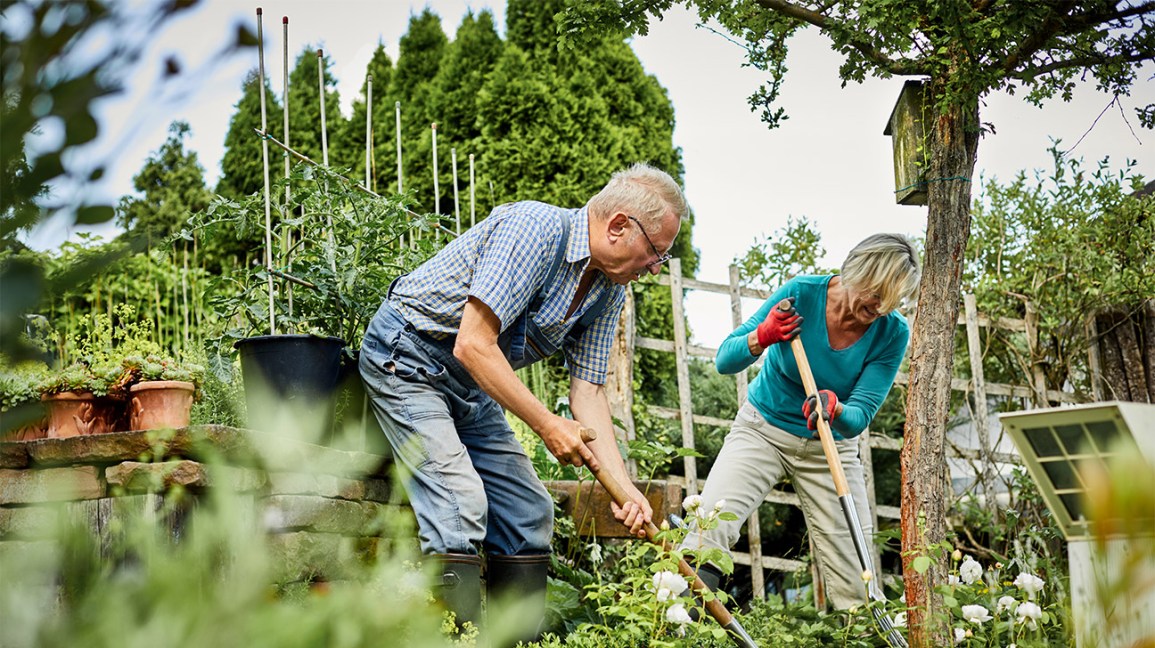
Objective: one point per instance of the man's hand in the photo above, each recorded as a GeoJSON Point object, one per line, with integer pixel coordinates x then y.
{"type": "Point", "coordinates": [782, 324]}
{"type": "Point", "coordinates": [830, 409]}
{"type": "Point", "coordinates": [635, 513]}
{"type": "Point", "coordinates": [562, 438]}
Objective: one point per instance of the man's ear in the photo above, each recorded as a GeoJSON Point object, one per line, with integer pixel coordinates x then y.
{"type": "Point", "coordinates": [617, 226]}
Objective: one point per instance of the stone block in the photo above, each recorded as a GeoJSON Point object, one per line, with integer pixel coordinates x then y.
{"type": "Point", "coordinates": [305, 556]}
{"type": "Point", "coordinates": [286, 483]}
{"type": "Point", "coordinates": [324, 515]}
{"type": "Point", "coordinates": [13, 454]}
{"type": "Point", "coordinates": [50, 485]}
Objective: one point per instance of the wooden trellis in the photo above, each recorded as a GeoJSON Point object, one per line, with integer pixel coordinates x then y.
{"type": "Point", "coordinates": [1036, 392]}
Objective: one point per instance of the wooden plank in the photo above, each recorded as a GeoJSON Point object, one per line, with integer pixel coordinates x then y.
{"type": "Point", "coordinates": [681, 360]}
{"type": "Point", "coordinates": [770, 562]}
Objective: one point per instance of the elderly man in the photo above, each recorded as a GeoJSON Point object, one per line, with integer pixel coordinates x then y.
{"type": "Point", "coordinates": [438, 361]}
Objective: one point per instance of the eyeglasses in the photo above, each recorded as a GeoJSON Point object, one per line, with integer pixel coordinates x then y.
{"type": "Point", "coordinates": [661, 258]}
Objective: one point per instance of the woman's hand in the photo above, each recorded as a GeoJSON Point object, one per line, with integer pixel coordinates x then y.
{"type": "Point", "coordinates": [830, 409]}
{"type": "Point", "coordinates": [782, 324]}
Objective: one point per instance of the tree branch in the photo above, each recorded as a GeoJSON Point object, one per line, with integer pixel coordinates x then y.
{"type": "Point", "coordinates": [1028, 73]}
{"type": "Point", "coordinates": [1040, 37]}
{"type": "Point", "coordinates": [872, 54]}
{"type": "Point", "coordinates": [1082, 21]}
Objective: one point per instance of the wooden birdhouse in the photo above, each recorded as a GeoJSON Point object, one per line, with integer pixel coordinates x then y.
{"type": "Point", "coordinates": [905, 128]}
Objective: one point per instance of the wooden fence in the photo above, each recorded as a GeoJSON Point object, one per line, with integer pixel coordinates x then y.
{"type": "Point", "coordinates": [621, 397]}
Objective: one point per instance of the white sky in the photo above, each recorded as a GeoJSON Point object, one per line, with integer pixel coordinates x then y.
{"type": "Point", "coordinates": [828, 162]}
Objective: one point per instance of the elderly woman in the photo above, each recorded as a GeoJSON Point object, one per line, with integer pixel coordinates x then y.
{"type": "Point", "coordinates": [855, 341]}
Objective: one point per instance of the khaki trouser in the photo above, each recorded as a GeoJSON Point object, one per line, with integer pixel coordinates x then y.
{"type": "Point", "coordinates": [755, 457]}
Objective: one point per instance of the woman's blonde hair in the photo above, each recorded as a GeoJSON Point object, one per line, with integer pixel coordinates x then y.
{"type": "Point", "coordinates": [885, 264]}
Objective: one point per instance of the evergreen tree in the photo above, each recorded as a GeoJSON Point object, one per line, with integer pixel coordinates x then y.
{"type": "Point", "coordinates": [305, 111]}
{"type": "Point", "coordinates": [383, 172]}
{"type": "Point", "coordinates": [242, 172]}
{"type": "Point", "coordinates": [421, 51]}
{"type": "Point", "coordinates": [467, 64]}
{"type": "Point", "coordinates": [172, 186]}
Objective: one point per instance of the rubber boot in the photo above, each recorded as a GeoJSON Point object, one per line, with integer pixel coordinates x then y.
{"type": "Point", "coordinates": [712, 577]}
{"type": "Point", "coordinates": [515, 589]}
{"type": "Point", "coordinates": [458, 586]}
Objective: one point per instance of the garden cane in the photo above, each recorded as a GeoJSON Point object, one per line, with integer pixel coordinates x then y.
{"type": "Point", "coordinates": [841, 489]}
{"type": "Point", "coordinates": [737, 633]}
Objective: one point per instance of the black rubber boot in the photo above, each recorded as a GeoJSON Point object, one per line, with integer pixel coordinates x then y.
{"type": "Point", "coordinates": [712, 577]}
{"type": "Point", "coordinates": [458, 586]}
{"type": "Point", "coordinates": [515, 595]}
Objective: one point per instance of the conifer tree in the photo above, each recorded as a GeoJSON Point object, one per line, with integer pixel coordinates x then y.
{"type": "Point", "coordinates": [242, 171]}
{"type": "Point", "coordinates": [305, 111]}
{"type": "Point", "coordinates": [421, 51]}
{"type": "Point", "coordinates": [172, 186]}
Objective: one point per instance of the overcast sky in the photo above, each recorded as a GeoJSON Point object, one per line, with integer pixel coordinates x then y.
{"type": "Point", "coordinates": [829, 162]}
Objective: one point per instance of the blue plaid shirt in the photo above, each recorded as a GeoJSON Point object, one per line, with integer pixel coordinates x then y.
{"type": "Point", "coordinates": [503, 262]}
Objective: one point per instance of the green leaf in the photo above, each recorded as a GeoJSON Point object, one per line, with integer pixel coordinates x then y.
{"type": "Point", "coordinates": [920, 564]}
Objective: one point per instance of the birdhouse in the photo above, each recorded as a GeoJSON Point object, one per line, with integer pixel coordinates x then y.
{"type": "Point", "coordinates": [905, 128]}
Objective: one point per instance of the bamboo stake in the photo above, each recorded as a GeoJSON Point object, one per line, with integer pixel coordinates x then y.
{"type": "Point", "coordinates": [456, 199]}
{"type": "Point", "coordinates": [472, 195]}
{"type": "Point", "coordinates": [265, 161]}
{"type": "Point", "coordinates": [400, 183]}
{"type": "Point", "coordinates": [436, 188]}
{"type": "Point", "coordinates": [324, 131]}
{"type": "Point", "coordinates": [368, 127]}
{"type": "Point", "coordinates": [287, 237]}
{"type": "Point", "coordinates": [184, 299]}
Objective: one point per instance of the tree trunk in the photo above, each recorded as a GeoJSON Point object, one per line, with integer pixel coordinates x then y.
{"type": "Point", "coordinates": [1148, 344]}
{"type": "Point", "coordinates": [1114, 375]}
{"type": "Point", "coordinates": [952, 134]}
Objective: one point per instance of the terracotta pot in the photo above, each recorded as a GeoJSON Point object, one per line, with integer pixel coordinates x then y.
{"type": "Point", "coordinates": [24, 422]}
{"type": "Point", "coordinates": [160, 404]}
{"type": "Point", "coordinates": [75, 413]}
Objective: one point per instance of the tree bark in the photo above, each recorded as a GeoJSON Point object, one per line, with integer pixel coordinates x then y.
{"type": "Point", "coordinates": [952, 140]}
{"type": "Point", "coordinates": [1148, 345]}
{"type": "Point", "coordinates": [1133, 368]}
{"type": "Point", "coordinates": [1114, 376]}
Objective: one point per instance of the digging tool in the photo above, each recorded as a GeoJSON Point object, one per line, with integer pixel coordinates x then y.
{"type": "Point", "coordinates": [893, 636]}
{"type": "Point", "coordinates": [737, 633]}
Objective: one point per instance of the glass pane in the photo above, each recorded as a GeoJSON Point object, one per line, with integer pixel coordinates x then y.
{"type": "Point", "coordinates": [1061, 474]}
{"type": "Point", "coordinates": [1043, 442]}
{"type": "Point", "coordinates": [1073, 502]}
{"type": "Point", "coordinates": [1073, 439]}
{"type": "Point", "coordinates": [1105, 433]}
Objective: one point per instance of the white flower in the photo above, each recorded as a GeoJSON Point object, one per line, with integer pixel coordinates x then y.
{"type": "Point", "coordinates": [899, 620]}
{"type": "Point", "coordinates": [677, 614]}
{"type": "Point", "coordinates": [692, 503]}
{"type": "Point", "coordinates": [719, 505]}
{"type": "Point", "coordinates": [960, 635]}
{"type": "Point", "coordinates": [976, 614]}
{"type": "Point", "coordinates": [1006, 603]}
{"type": "Point", "coordinates": [953, 580]}
{"type": "Point", "coordinates": [956, 555]}
{"type": "Point", "coordinates": [970, 570]}
{"type": "Point", "coordinates": [668, 585]}
{"type": "Point", "coordinates": [1029, 613]}
{"type": "Point", "coordinates": [594, 551]}
{"type": "Point", "coordinates": [867, 576]}
{"type": "Point", "coordinates": [1029, 583]}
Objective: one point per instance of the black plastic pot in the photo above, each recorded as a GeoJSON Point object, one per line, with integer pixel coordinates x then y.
{"type": "Point", "coordinates": [300, 370]}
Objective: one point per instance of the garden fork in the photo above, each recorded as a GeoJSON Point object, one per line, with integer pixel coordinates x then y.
{"type": "Point", "coordinates": [893, 636]}
{"type": "Point", "coordinates": [737, 633]}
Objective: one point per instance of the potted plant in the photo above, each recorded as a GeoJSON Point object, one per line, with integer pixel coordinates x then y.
{"type": "Point", "coordinates": [338, 248]}
{"type": "Point", "coordinates": [162, 391]}
{"type": "Point", "coordinates": [84, 397]}
{"type": "Point", "coordinates": [22, 414]}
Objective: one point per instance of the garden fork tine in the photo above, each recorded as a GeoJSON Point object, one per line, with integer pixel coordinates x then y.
{"type": "Point", "coordinates": [893, 636]}
{"type": "Point", "coordinates": [737, 633]}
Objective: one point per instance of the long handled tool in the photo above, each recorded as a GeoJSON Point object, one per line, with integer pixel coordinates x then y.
{"type": "Point", "coordinates": [844, 498]}
{"type": "Point", "coordinates": [737, 633]}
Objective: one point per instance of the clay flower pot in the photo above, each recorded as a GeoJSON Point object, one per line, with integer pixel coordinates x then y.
{"type": "Point", "coordinates": [75, 413]}
{"type": "Point", "coordinates": [160, 404]}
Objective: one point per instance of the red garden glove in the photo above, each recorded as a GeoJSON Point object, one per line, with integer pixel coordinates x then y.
{"type": "Point", "coordinates": [830, 409]}
{"type": "Point", "coordinates": [781, 325]}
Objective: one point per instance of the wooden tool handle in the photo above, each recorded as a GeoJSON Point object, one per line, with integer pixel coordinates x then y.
{"type": "Point", "coordinates": [824, 433]}
{"type": "Point", "coordinates": [587, 434]}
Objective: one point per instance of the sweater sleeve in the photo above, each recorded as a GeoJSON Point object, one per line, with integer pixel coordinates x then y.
{"type": "Point", "coordinates": [873, 385]}
{"type": "Point", "coordinates": [734, 352]}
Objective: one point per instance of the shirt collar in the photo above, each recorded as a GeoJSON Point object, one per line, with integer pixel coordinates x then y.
{"type": "Point", "coordinates": [579, 237]}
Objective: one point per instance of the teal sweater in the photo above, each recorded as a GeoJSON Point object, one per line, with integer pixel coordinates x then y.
{"type": "Point", "coordinates": [860, 375]}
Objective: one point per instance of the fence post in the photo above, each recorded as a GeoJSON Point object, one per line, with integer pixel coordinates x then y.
{"type": "Point", "coordinates": [753, 525]}
{"type": "Point", "coordinates": [979, 389]}
{"type": "Point", "coordinates": [681, 359]}
{"type": "Point", "coordinates": [1038, 381]}
{"type": "Point", "coordinates": [620, 379]}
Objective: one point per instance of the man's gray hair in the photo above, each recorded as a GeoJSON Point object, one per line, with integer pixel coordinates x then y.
{"type": "Point", "coordinates": [641, 191]}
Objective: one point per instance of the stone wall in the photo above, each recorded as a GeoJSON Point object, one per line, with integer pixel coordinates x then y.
{"type": "Point", "coordinates": [324, 510]}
